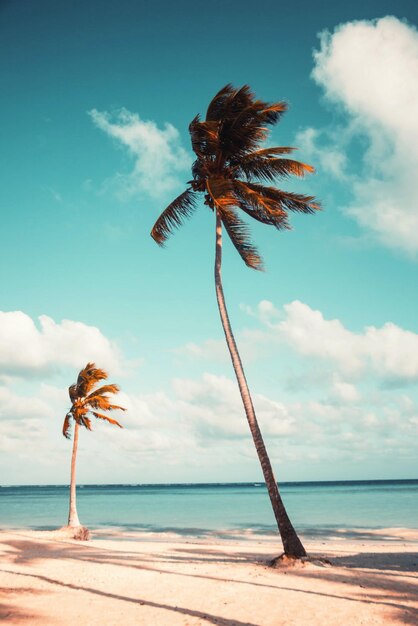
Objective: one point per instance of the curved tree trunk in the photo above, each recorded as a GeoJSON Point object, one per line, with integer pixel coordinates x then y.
{"type": "Point", "coordinates": [291, 542]}
{"type": "Point", "coordinates": [72, 515]}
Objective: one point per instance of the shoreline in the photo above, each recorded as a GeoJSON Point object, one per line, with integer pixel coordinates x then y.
{"type": "Point", "coordinates": [137, 577]}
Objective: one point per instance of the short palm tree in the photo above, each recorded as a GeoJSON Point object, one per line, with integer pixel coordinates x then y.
{"type": "Point", "coordinates": [86, 401]}
{"type": "Point", "coordinates": [229, 165]}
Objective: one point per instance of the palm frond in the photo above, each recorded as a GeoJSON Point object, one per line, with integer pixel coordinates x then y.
{"type": "Point", "coordinates": [272, 151]}
{"type": "Point", "coordinates": [111, 388]}
{"type": "Point", "coordinates": [115, 407]}
{"type": "Point", "coordinates": [239, 100]}
{"type": "Point", "coordinates": [97, 402]}
{"type": "Point", "coordinates": [107, 419]}
{"type": "Point", "coordinates": [173, 216]}
{"type": "Point", "coordinates": [72, 392]}
{"type": "Point", "coordinates": [239, 234]}
{"type": "Point", "coordinates": [217, 104]}
{"type": "Point", "coordinates": [86, 422]}
{"type": "Point", "coordinates": [270, 168]}
{"type": "Point", "coordinates": [66, 427]}
{"type": "Point", "coordinates": [260, 207]}
{"type": "Point", "coordinates": [243, 120]}
{"type": "Point", "coordinates": [255, 199]}
{"type": "Point", "coordinates": [103, 403]}
{"type": "Point", "coordinates": [236, 141]}
{"type": "Point", "coordinates": [88, 377]}
{"type": "Point", "coordinates": [228, 102]}
{"type": "Point", "coordinates": [204, 136]}
{"type": "Point", "coordinates": [286, 200]}
{"type": "Point", "coordinates": [259, 113]}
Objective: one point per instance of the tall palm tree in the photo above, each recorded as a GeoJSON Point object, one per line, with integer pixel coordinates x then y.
{"type": "Point", "coordinates": [86, 400]}
{"type": "Point", "coordinates": [229, 165]}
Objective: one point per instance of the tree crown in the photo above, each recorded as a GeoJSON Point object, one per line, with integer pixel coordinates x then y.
{"type": "Point", "coordinates": [231, 169]}
{"type": "Point", "coordinates": [87, 399]}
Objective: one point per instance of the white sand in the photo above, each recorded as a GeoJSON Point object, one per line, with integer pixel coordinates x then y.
{"type": "Point", "coordinates": [164, 579]}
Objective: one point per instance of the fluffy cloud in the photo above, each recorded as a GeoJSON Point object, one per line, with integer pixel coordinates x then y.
{"type": "Point", "coordinates": [158, 155]}
{"type": "Point", "coordinates": [369, 69]}
{"type": "Point", "coordinates": [30, 349]}
{"type": "Point", "coordinates": [13, 406]}
{"type": "Point", "coordinates": [214, 409]}
{"type": "Point", "coordinates": [167, 433]}
{"type": "Point", "coordinates": [390, 352]}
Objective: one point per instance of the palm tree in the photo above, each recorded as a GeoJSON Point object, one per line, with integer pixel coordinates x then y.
{"type": "Point", "coordinates": [229, 165]}
{"type": "Point", "coordinates": [85, 402]}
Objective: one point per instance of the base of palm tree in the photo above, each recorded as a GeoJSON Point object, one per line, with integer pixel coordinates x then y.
{"type": "Point", "coordinates": [81, 533]}
{"type": "Point", "coordinates": [284, 561]}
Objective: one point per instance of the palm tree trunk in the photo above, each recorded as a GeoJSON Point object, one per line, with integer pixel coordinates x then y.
{"type": "Point", "coordinates": [73, 516]}
{"type": "Point", "coordinates": [292, 545]}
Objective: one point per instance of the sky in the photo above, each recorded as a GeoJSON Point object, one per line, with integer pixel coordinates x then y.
{"type": "Point", "coordinates": [96, 102]}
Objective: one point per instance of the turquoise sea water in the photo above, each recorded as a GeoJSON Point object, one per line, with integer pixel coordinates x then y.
{"type": "Point", "coordinates": [314, 507]}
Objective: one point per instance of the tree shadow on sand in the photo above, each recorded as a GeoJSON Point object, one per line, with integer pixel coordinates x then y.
{"type": "Point", "coordinates": [212, 619]}
{"type": "Point", "coordinates": [365, 578]}
{"type": "Point", "coordinates": [394, 561]}
{"type": "Point", "coordinates": [9, 610]}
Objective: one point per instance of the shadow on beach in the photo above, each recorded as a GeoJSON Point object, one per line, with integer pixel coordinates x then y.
{"type": "Point", "coordinates": [383, 579]}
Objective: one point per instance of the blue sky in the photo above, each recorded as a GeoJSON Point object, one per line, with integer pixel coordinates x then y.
{"type": "Point", "coordinates": [97, 98]}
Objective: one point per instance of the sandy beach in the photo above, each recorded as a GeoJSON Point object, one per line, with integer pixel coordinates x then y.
{"type": "Point", "coordinates": [159, 578]}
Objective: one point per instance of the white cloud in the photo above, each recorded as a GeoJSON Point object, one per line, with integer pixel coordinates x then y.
{"type": "Point", "coordinates": [17, 407]}
{"type": "Point", "coordinates": [27, 348]}
{"type": "Point", "coordinates": [390, 352]}
{"type": "Point", "coordinates": [344, 391]}
{"type": "Point", "coordinates": [330, 159]}
{"type": "Point", "coordinates": [214, 408]}
{"type": "Point", "coordinates": [158, 155]}
{"type": "Point", "coordinates": [167, 432]}
{"type": "Point", "coordinates": [369, 69]}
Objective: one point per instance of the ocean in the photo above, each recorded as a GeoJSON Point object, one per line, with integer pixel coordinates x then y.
{"type": "Point", "coordinates": [315, 508]}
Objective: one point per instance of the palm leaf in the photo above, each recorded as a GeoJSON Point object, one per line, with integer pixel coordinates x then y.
{"type": "Point", "coordinates": [97, 402]}
{"type": "Point", "coordinates": [107, 419]}
{"type": "Point", "coordinates": [204, 136]}
{"type": "Point", "coordinates": [261, 209]}
{"type": "Point", "coordinates": [66, 428]}
{"type": "Point", "coordinates": [228, 102]}
{"type": "Point", "coordinates": [267, 152]}
{"type": "Point", "coordinates": [173, 216]}
{"type": "Point", "coordinates": [259, 113]}
{"type": "Point", "coordinates": [86, 422]}
{"type": "Point", "coordinates": [244, 120]}
{"type": "Point", "coordinates": [217, 104]}
{"type": "Point", "coordinates": [239, 234]}
{"type": "Point", "coordinates": [269, 168]}
{"type": "Point", "coordinates": [239, 140]}
{"type": "Point", "coordinates": [72, 392]}
{"type": "Point", "coordinates": [268, 210]}
{"type": "Point", "coordinates": [103, 403]}
{"type": "Point", "coordinates": [286, 200]}
{"type": "Point", "coordinates": [111, 388]}
{"type": "Point", "coordinates": [88, 377]}
{"type": "Point", "coordinates": [279, 222]}
{"type": "Point", "coordinates": [272, 113]}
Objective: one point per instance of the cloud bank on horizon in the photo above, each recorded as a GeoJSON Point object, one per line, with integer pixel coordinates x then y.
{"type": "Point", "coordinates": [368, 70]}
{"type": "Point", "coordinates": [352, 399]}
